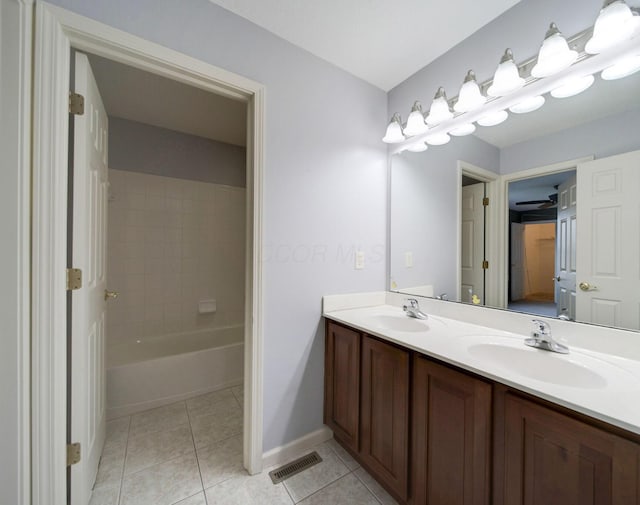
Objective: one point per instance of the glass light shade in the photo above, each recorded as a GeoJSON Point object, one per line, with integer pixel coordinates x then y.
{"type": "Point", "coordinates": [394, 131]}
{"type": "Point", "coordinates": [622, 68]}
{"type": "Point", "coordinates": [470, 96]}
{"type": "Point", "coordinates": [554, 54]}
{"type": "Point", "coordinates": [494, 118]}
{"type": "Point", "coordinates": [615, 24]}
{"type": "Point", "coordinates": [439, 110]}
{"type": "Point", "coordinates": [507, 77]}
{"type": "Point", "coordinates": [462, 130]}
{"type": "Point", "coordinates": [528, 105]}
{"type": "Point", "coordinates": [573, 86]}
{"type": "Point", "coordinates": [415, 121]}
{"type": "Point", "coordinates": [417, 147]}
{"type": "Point", "coordinates": [439, 139]}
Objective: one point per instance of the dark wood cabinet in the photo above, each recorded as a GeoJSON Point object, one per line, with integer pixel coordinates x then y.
{"type": "Point", "coordinates": [432, 434]}
{"type": "Point", "coordinates": [342, 384]}
{"type": "Point", "coordinates": [384, 415]}
{"type": "Point", "coordinates": [451, 436]}
{"type": "Point", "coordinates": [552, 459]}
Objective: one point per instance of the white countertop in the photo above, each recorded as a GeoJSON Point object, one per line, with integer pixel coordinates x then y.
{"type": "Point", "coordinates": [603, 386]}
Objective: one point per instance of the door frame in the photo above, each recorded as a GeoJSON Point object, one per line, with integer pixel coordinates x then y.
{"type": "Point", "coordinates": [503, 213]}
{"type": "Point", "coordinates": [56, 32]}
{"type": "Point", "coordinates": [490, 179]}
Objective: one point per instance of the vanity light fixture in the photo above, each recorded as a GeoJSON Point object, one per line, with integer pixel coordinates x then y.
{"type": "Point", "coordinates": [439, 110]}
{"type": "Point", "coordinates": [438, 139]}
{"type": "Point", "coordinates": [470, 97]}
{"type": "Point", "coordinates": [573, 86]}
{"type": "Point", "coordinates": [623, 68]}
{"type": "Point", "coordinates": [394, 133]}
{"type": "Point", "coordinates": [554, 55]}
{"type": "Point", "coordinates": [493, 119]}
{"type": "Point", "coordinates": [417, 147]}
{"type": "Point", "coordinates": [616, 23]}
{"type": "Point", "coordinates": [415, 121]}
{"type": "Point", "coordinates": [528, 105]}
{"type": "Point", "coordinates": [462, 130]}
{"type": "Point", "coordinates": [507, 77]}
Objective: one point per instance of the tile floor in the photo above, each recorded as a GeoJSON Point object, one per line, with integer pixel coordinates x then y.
{"type": "Point", "coordinates": [190, 453]}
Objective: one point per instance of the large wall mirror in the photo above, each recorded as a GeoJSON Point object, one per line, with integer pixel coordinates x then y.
{"type": "Point", "coordinates": [560, 235]}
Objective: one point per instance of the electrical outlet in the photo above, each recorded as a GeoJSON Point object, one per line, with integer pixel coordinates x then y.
{"type": "Point", "coordinates": [359, 260]}
{"type": "Point", "coordinates": [408, 259]}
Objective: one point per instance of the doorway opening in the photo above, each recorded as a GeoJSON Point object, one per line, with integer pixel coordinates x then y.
{"type": "Point", "coordinates": [542, 249]}
{"type": "Point", "coordinates": [158, 226]}
{"type": "Point", "coordinates": [57, 31]}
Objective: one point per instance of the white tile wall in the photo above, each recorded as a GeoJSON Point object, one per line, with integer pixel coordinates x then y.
{"type": "Point", "coordinates": [171, 243]}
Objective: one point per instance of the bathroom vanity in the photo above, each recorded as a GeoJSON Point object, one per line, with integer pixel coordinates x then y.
{"type": "Point", "coordinates": [444, 411]}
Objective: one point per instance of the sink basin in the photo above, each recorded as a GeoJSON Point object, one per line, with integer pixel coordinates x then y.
{"type": "Point", "coordinates": [399, 323]}
{"type": "Point", "coordinates": [540, 365]}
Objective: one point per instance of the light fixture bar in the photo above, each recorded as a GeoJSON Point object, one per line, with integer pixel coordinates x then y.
{"type": "Point", "coordinates": [585, 65]}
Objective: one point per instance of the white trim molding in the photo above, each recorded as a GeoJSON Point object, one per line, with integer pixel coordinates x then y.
{"type": "Point", "coordinates": [285, 453]}
{"type": "Point", "coordinates": [57, 31]}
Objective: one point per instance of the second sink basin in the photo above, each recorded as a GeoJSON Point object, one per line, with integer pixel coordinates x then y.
{"type": "Point", "coordinates": [539, 365]}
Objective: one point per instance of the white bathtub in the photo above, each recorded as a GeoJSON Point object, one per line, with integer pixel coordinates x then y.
{"type": "Point", "coordinates": [157, 371]}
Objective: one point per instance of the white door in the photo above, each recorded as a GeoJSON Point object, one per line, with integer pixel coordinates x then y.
{"type": "Point", "coordinates": [88, 303]}
{"type": "Point", "coordinates": [472, 243]}
{"type": "Point", "coordinates": [517, 261]}
{"type": "Point", "coordinates": [566, 236]}
{"type": "Point", "coordinates": [609, 241]}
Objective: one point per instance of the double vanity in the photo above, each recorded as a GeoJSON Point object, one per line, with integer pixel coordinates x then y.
{"type": "Point", "coordinates": [454, 409]}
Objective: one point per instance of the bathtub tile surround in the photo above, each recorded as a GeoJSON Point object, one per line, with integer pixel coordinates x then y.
{"type": "Point", "coordinates": [164, 467]}
{"type": "Point", "coordinates": [172, 243]}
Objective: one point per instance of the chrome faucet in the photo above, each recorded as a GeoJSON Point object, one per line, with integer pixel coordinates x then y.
{"type": "Point", "coordinates": [412, 309]}
{"type": "Point", "coordinates": [541, 338]}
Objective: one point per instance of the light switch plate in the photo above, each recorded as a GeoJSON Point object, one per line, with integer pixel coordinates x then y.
{"type": "Point", "coordinates": [408, 259]}
{"type": "Point", "coordinates": [359, 260]}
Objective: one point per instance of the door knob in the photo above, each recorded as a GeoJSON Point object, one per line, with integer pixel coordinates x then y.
{"type": "Point", "coordinates": [110, 294]}
{"type": "Point", "coordinates": [585, 286]}
{"type": "Point", "coordinates": [556, 279]}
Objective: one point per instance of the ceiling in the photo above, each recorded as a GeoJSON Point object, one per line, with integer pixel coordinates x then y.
{"type": "Point", "coordinates": [136, 95]}
{"type": "Point", "coordinates": [536, 188]}
{"type": "Point", "coordinates": [381, 41]}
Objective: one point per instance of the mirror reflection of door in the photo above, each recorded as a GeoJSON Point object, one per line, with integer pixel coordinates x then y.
{"type": "Point", "coordinates": [540, 246]}
{"type": "Point", "coordinates": [472, 272]}
{"type": "Point", "coordinates": [609, 241]}
{"type": "Point", "coordinates": [565, 278]}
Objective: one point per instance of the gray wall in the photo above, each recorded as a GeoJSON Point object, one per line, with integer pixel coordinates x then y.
{"type": "Point", "coordinates": [325, 188]}
{"type": "Point", "coordinates": [14, 204]}
{"type": "Point", "coordinates": [138, 147]}
{"type": "Point", "coordinates": [602, 137]}
{"type": "Point", "coordinates": [424, 211]}
{"type": "Point", "coordinates": [521, 28]}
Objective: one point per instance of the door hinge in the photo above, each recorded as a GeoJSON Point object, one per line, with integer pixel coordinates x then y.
{"type": "Point", "coordinates": [485, 201]}
{"type": "Point", "coordinates": [73, 453]}
{"type": "Point", "coordinates": [74, 279]}
{"type": "Point", "coordinates": [76, 104]}
{"type": "Point", "coordinates": [485, 265]}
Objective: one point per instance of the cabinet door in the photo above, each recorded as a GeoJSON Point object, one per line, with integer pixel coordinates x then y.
{"type": "Point", "coordinates": [385, 414]}
{"type": "Point", "coordinates": [451, 458]}
{"type": "Point", "coordinates": [342, 383]}
{"type": "Point", "coordinates": [553, 459]}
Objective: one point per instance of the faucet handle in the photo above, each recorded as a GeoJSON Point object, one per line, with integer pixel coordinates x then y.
{"type": "Point", "coordinates": [541, 327]}
{"type": "Point", "coordinates": [412, 303]}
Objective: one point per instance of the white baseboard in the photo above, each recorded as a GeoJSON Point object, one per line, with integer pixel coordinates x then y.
{"type": "Point", "coordinates": [127, 410]}
{"type": "Point", "coordinates": [285, 453]}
